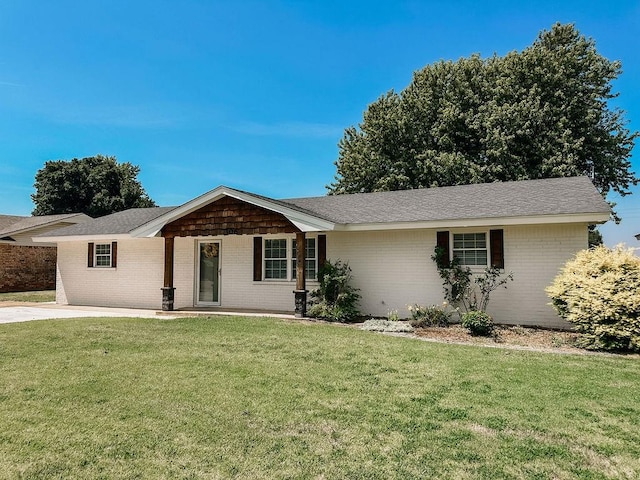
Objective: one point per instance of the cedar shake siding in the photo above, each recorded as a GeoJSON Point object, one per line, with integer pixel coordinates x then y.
{"type": "Point", "coordinates": [229, 216]}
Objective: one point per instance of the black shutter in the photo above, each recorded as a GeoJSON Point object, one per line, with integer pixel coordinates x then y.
{"type": "Point", "coordinates": [496, 241]}
{"type": "Point", "coordinates": [114, 254]}
{"type": "Point", "coordinates": [322, 251]}
{"type": "Point", "coordinates": [442, 241]}
{"type": "Point", "coordinates": [90, 255]}
{"type": "Point", "coordinates": [257, 259]}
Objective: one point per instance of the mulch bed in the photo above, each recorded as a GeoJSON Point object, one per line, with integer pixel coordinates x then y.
{"type": "Point", "coordinates": [506, 336]}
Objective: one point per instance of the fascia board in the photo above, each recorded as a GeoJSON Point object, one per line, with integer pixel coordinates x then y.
{"type": "Point", "coordinates": [306, 223]}
{"type": "Point", "coordinates": [590, 218]}
{"type": "Point", "coordinates": [81, 238]}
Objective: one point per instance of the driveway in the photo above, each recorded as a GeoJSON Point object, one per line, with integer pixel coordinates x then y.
{"type": "Point", "coordinates": [26, 312]}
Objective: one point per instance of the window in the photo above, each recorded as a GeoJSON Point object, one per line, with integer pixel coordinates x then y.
{"type": "Point", "coordinates": [470, 248]}
{"type": "Point", "coordinates": [103, 255]}
{"type": "Point", "coordinates": [275, 259]}
{"type": "Point", "coordinates": [310, 261]}
{"type": "Point", "coordinates": [280, 259]}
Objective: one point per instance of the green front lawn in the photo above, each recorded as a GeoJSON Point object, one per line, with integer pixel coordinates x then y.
{"type": "Point", "coordinates": [37, 296]}
{"type": "Point", "coordinates": [262, 398]}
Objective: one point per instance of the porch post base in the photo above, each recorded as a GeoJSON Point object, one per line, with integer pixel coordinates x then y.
{"type": "Point", "coordinates": [301, 303]}
{"type": "Point", "coordinates": [168, 294]}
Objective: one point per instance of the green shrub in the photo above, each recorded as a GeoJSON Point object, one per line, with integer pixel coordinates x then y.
{"type": "Point", "coordinates": [477, 322]}
{"type": "Point", "coordinates": [336, 299]}
{"type": "Point", "coordinates": [598, 291]}
{"type": "Point", "coordinates": [432, 316]}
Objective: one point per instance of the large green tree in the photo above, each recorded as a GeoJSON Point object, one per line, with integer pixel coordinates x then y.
{"type": "Point", "coordinates": [539, 113]}
{"type": "Point", "coordinates": [94, 185]}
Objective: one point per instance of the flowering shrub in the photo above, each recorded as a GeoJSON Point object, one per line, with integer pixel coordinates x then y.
{"type": "Point", "coordinates": [598, 291]}
{"type": "Point", "coordinates": [428, 316]}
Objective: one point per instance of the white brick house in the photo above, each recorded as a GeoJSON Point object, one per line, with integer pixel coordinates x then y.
{"type": "Point", "coordinates": [236, 250]}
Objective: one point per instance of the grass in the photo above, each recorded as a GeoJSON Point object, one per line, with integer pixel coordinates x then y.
{"type": "Point", "coordinates": [262, 398]}
{"type": "Point", "coordinates": [37, 296]}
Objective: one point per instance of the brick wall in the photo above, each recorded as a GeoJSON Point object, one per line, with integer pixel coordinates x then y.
{"type": "Point", "coordinates": [394, 269]}
{"type": "Point", "coordinates": [25, 268]}
{"type": "Point", "coordinates": [135, 283]}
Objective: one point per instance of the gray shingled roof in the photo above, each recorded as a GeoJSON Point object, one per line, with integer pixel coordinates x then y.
{"type": "Point", "coordinates": [114, 224]}
{"type": "Point", "coordinates": [556, 196]}
{"type": "Point", "coordinates": [10, 224]}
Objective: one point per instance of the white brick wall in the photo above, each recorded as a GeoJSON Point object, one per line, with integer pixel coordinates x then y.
{"type": "Point", "coordinates": [393, 269]}
{"type": "Point", "coordinates": [136, 282]}
{"type": "Point", "coordinates": [535, 254]}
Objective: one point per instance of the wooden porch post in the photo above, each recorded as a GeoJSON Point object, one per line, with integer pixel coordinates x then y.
{"type": "Point", "coordinates": [168, 289]}
{"type": "Point", "coordinates": [300, 293]}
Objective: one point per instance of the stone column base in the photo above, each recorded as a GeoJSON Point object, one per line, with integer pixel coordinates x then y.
{"type": "Point", "coordinates": [168, 294]}
{"type": "Point", "coordinates": [301, 302]}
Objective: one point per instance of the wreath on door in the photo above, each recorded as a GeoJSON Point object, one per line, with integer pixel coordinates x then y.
{"type": "Point", "coordinates": [210, 250]}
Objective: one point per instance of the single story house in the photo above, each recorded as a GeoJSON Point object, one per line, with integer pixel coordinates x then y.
{"type": "Point", "coordinates": [24, 265]}
{"type": "Point", "coordinates": [238, 250]}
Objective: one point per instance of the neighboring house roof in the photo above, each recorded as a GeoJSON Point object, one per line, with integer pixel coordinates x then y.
{"type": "Point", "coordinates": [7, 220]}
{"type": "Point", "coordinates": [530, 201]}
{"type": "Point", "coordinates": [17, 229]}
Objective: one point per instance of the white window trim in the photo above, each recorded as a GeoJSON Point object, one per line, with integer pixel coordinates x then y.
{"type": "Point", "coordinates": [265, 259]}
{"type": "Point", "coordinates": [102, 255]}
{"type": "Point", "coordinates": [487, 245]}
{"type": "Point", "coordinates": [289, 258]}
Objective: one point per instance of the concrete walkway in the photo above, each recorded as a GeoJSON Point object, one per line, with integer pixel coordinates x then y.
{"type": "Point", "coordinates": [25, 312]}
{"type": "Point", "coordinates": [11, 312]}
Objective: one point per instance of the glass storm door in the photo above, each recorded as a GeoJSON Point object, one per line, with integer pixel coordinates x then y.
{"type": "Point", "coordinates": [208, 273]}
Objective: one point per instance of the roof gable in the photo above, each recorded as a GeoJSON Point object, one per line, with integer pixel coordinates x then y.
{"type": "Point", "coordinates": [227, 216]}
{"type": "Point", "coordinates": [298, 216]}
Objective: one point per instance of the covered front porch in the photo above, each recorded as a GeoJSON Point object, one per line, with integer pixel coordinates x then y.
{"type": "Point", "coordinates": [232, 255]}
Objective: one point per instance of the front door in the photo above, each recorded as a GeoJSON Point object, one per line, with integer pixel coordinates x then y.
{"type": "Point", "coordinates": [208, 275]}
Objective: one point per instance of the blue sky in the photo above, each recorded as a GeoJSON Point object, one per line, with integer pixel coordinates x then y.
{"type": "Point", "coordinates": [254, 95]}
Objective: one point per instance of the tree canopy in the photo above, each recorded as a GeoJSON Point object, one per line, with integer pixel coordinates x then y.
{"type": "Point", "coordinates": [96, 186]}
{"type": "Point", "coordinates": [539, 113]}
